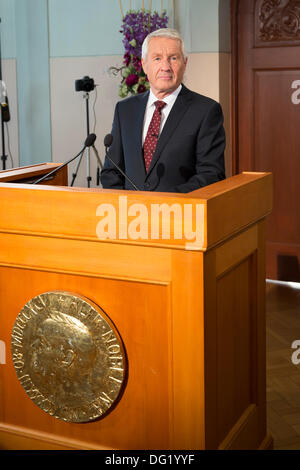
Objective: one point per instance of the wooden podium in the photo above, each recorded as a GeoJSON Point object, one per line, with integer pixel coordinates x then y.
{"type": "Point", "coordinates": [191, 315]}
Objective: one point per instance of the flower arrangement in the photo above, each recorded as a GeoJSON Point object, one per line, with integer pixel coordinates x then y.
{"type": "Point", "coordinates": [136, 25]}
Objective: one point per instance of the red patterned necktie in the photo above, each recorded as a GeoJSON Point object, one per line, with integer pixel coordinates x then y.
{"type": "Point", "coordinates": [153, 134]}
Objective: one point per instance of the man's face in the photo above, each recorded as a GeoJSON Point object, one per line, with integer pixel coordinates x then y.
{"type": "Point", "coordinates": [164, 65]}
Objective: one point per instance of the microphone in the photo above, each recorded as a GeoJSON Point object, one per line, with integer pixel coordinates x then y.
{"type": "Point", "coordinates": [108, 139]}
{"type": "Point", "coordinates": [89, 141]}
{"type": "Point", "coordinates": [4, 102]}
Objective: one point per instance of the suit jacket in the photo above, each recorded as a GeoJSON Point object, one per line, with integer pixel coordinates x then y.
{"type": "Point", "coordinates": [189, 153]}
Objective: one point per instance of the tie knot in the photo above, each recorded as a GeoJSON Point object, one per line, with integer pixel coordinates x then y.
{"type": "Point", "coordinates": [160, 105]}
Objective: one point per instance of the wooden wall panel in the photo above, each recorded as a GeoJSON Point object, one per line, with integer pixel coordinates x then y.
{"type": "Point", "coordinates": [266, 106]}
{"type": "Point", "coordinates": [278, 155]}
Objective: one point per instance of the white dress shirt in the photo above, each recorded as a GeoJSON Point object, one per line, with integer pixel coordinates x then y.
{"type": "Point", "coordinates": [150, 108]}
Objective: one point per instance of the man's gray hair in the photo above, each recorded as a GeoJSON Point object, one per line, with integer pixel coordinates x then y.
{"type": "Point", "coordinates": [162, 33]}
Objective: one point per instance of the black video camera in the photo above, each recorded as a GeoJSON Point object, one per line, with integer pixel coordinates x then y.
{"type": "Point", "coordinates": [84, 84]}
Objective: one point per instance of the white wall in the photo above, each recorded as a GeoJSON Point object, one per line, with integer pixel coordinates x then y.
{"type": "Point", "coordinates": [68, 108]}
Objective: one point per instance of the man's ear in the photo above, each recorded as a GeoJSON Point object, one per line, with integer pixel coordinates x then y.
{"type": "Point", "coordinates": [144, 66]}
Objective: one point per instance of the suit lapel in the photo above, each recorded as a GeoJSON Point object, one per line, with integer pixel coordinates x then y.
{"type": "Point", "coordinates": [137, 124]}
{"type": "Point", "coordinates": [177, 112]}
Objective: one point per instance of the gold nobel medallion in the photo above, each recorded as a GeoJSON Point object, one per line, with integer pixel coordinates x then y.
{"type": "Point", "coordinates": [68, 356]}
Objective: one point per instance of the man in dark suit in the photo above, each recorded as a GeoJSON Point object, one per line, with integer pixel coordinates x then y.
{"type": "Point", "coordinates": [169, 139]}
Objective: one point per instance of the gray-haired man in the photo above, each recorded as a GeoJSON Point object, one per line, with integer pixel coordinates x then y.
{"type": "Point", "coordinates": [169, 139]}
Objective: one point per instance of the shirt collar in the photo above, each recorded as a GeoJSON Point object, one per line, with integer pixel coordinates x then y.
{"type": "Point", "coordinates": [168, 99]}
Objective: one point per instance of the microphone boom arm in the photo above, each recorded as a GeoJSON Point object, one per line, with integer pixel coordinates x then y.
{"type": "Point", "coordinates": [122, 172]}
{"type": "Point", "coordinates": [88, 142]}
{"type": "Point", "coordinates": [59, 167]}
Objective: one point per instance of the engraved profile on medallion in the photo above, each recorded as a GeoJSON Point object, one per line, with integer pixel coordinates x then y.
{"type": "Point", "coordinates": [278, 21]}
{"type": "Point", "coordinates": [68, 356]}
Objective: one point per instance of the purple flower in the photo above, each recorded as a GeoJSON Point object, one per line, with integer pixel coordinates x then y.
{"type": "Point", "coordinates": [132, 79]}
{"type": "Point", "coordinates": [136, 61]}
{"type": "Point", "coordinates": [141, 88]}
{"type": "Point", "coordinates": [135, 27]}
{"type": "Point", "coordinates": [126, 59]}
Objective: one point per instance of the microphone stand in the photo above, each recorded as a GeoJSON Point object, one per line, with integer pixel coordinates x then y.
{"type": "Point", "coordinates": [60, 167]}
{"type": "Point", "coordinates": [86, 96]}
{"type": "Point", "coordinates": [3, 157]}
{"type": "Point", "coordinates": [118, 168]}
{"type": "Point", "coordinates": [89, 141]}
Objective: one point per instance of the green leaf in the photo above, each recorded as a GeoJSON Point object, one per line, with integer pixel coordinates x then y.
{"type": "Point", "coordinates": [123, 91]}
{"type": "Point", "coordinates": [126, 72]}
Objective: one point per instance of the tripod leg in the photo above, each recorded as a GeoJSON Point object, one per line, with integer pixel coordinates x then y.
{"type": "Point", "coordinates": [74, 175]}
{"type": "Point", "coordinates": [99, 164]}
{"type": "Point", "coordinates": [88, 171]}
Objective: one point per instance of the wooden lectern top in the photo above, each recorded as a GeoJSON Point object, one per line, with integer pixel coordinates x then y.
{"type": "Point", "coordinates": [30, 173]}
{"type": "Point", "coordinates": [223, 208]}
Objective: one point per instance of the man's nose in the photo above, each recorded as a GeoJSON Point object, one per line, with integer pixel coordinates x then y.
{"type": "Point", "coordinates": [165, 64]}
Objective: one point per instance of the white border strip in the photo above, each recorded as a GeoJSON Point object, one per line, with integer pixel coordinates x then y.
{"type": "Point", "coordinates": [293, 285]}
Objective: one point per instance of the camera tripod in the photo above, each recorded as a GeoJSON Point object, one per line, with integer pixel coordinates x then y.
{"type": "Point", "coordinates": [86, 96]}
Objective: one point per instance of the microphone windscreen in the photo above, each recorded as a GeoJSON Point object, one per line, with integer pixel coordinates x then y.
{"type": "Point", "coordinates": [90, 140]}
{"type": "Point", "coordinates": [108, 140]}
